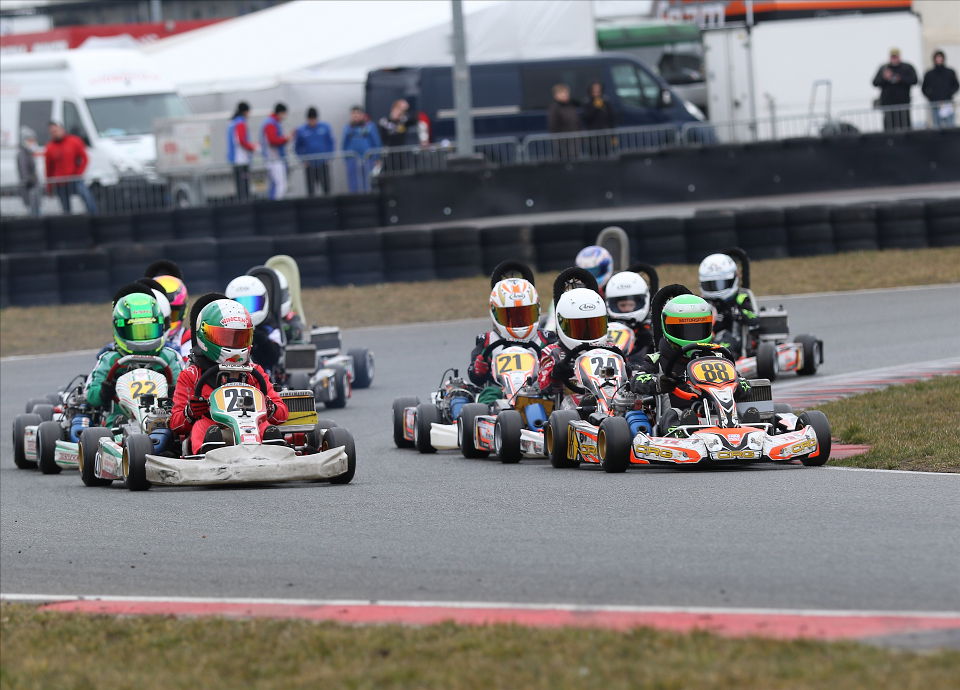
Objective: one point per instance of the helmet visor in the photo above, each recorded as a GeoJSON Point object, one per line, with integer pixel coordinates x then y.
{"type": "Point", "coordinates": [626, 304]}
{"type": "Point", "coordinates": [717, 285]}
{"type": "Point", "coordinates": [148, 328]}
{"type": "Point", "coordinates": [177, 312]}
{"type": "Point", "coordinates": [233, 338]}
{"type": "Point", "coordinates": [517, 317]}
{"type": "Point", "coordinates": [689, 328]}
{"type": "Point", "coordinates": [592, 328]}
{"type": "Point", "coordinates": [252, 303]}
{"type": "Point", "coordinates": [599, 270]}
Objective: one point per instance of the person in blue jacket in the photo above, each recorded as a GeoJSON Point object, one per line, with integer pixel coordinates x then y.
{"type": "Point", "coordinates": [313, 138]}
{"type": "Point", "coordinates": [360, 135]}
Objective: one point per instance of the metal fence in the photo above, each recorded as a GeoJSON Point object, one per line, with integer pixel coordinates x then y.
{"type": "Point", "coordinates": [597, 144]}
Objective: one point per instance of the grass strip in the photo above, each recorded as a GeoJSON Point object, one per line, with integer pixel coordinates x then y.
{"type": "Point", "coordinates": [76, 651]}
{"type": "Point", "coordinates": [910, 427]}
{"type": "Point", "coordinates": [32, 330]}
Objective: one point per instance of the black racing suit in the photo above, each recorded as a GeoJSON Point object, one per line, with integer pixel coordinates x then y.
{"type": "Point", "coordinates": [642, 344]}
{"type": "Point", "coordinates": [732, 315]}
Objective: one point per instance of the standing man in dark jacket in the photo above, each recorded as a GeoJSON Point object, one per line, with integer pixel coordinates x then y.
{"type": "Point", "coordinates": [312, 139]}
{"type": "Point", "coordinates": [27, 169]}
{"type": "Point", "coordinates": [939, 86]}
{"type": "Point", "coordinates": [598, 115]}
{"type": "Point", "coordinates": [562, 116]}
{"type": "Point", "coordinates": [895, 80]}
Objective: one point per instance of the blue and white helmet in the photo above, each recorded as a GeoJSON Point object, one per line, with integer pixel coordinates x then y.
{"type": "Point", "coordinates": [598, 261]}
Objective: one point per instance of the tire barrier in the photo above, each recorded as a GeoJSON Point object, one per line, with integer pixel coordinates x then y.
{"type": "Point", "coordinates": [854, 227]}
{"type": "Point", "coordinates": [317, 214]}
{"type": "Point", "coordinates": [69, 232]}
{"type": "Point", "coordinates": [275, 217]}
{"type": "Point", "coordinates": [943, 222]}
{"type": "Point", "coordinates": [199, 261]}
{"type": "Point", "coordinates": [23, 235]}
{"type": "Point", "coordinates": [658, 241]}
{"type": "Point", "coordinates": [708, 233]}
{"type": "Point", "coordinates": [110, 229]}
{"type": "Point", "coordinates": [356, 257]}
{"type": "Point", "coordinates": [84, 275]}
{"type": "Point", "coordinates": [194, 222]}
{"type": "Point", "coordinates": [357, 211]}
{"type": "Point", "coordinates": [33, 279]}
{"type": "Point", "coordinates": [764, 230]}
{"type": "Point", "coordinates": [457, 252]}
{"type": "Point", "coordinates": [234, 221]}
{"type": "Point", "coordinates": [240, 255]}
{"type": "Point", "coordinates": [155, 226]}
{"type": "Point", "coordinates": [902, 225]}
{"type": "Point", "coordinates": [313, 257]}
{"type": "Point", "coordinates": [408, 255]}
{"type": "Point", "coordinates": [127, 261]}
{"type": "Point", "coordinates": [510, 242]}
{"type": "Point", "coordinates": [809, 231]}
{"type": "Point", "coordinates": [558, 243]}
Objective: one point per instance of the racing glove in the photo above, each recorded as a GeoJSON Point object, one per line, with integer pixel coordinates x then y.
{"type": "Point", "coordinates": [271, 411]}
{"type": "Point", "coordinates": [644, 384]}
{"type": "Point", "coordinates": [197, 408]}
{"type": "Point", "coordinates": [563, 369]}
{"type": "Point", "coordinates": [481, 367]}
{"type": "Point", "coordinates": [107, 392]}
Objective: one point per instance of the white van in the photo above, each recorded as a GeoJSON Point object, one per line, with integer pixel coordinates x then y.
{"type": "Point", "coordinates": [109, 98]}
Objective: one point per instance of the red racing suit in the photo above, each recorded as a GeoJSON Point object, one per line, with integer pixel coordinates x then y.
{"type": "Point", "coordinates": [182, 424]}
{"type": "Point", "coordinates": [479, 369]}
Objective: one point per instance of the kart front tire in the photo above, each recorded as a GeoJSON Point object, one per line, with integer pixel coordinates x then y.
{"type": "Point", "coordinates": [135, 462]}
{"type": "Point", "coordinates": [427, 414]}
{"type": "Point", "coordinates": [556, 434]}
{"type": "Point", "coordinates": [340, 389]}
{"type": "Point", "coordinates": [20, 424]}
{"type": "Point", "coordinates": [363, 367]}
{"type": "Point", "coordinates": [48, 433]}
{"type": "Point", "coordinates": [338, 436]}
{"type": "Point", "coordinates": [768, 362]}
{"type": "Point", "coordinates": [821, 426]}
{"type": "Point", "coordinates": [613, 444]}
{"type": "Point", "coordinates": [399, 405]}
{"type": "Point", "coordinates": [87, 455]}
{"type": "Point", "coordinates": [33, 402]}
{"type": "Point", "coordinates": [466, 429]}
{"type": "Point", "coordinates": [811, 354]}
{"type": "Point", "coordinates": [506, 436]}
{"type": "Point", "coordinates": [44, 410]}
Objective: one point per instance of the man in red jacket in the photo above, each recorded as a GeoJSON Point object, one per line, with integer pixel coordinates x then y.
{"type": "Point", "coordinates": [66, 159]}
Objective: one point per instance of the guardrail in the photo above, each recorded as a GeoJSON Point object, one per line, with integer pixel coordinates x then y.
{"type": "Point", "coordinates": [598, 144]}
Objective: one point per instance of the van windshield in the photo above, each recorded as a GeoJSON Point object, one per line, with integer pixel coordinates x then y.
{"type": "Point", "coordinates": [120, 116]}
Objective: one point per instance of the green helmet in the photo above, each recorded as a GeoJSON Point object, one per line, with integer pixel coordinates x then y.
{"type": "Point", "coordinates": [225, 332]}
{"type": "Point", "coordinates": [138, 324]}
{"type": "Point", "coordinates": [687, 319]}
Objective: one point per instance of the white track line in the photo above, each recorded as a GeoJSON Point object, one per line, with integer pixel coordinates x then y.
{"type": "Point", "coordinates": [53, 598]}
{"type": "Point", "coordinates": [863, 291]}
{"type": "Point", "coordinates": [877, 469]}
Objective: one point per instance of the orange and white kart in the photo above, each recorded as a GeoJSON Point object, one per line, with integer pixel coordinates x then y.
{"type": "Point", "coordinates": [726, 431]}
{"type": "Point", "coordinates": [512, 426]}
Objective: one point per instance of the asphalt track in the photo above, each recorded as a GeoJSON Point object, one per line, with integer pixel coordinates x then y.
{"type": "Point", "coordinates": [441, 528]}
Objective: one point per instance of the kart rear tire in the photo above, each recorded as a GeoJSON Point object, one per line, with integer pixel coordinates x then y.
{"type": "Point", "coordinates": [20, 424]}
{"type": "Point", "coordinates": [135, 461]}
{"type": "Point", "coordinates": [340, 387]}
{"type": "Point", "coordinates": [48, 433]}
{"type": "Point", "coordinates": [87, 453]}
{"type": "Point", "coordinates": [427, 414]}
{"type": "Point", "coordinates": [32, 402]}
{"type": "Point", "coordinates": [363, 367]}
{"type": "Point", "coordinates": [338, 436]}
{"type": "Point", "coordinates": [613, 444]}
{"type": "Point", "coordinates": [811, 354]}
{"type": "Point", "coordinates": [768, 362]}
{"type": "Point", "coordinates": [44, 410]}
{"type": "Point", "coordinates": [399, 405]}
{"type": "Point", "coordinates": [299, 381]}
{"type": "Point", "coordinates": [53, 398]}
{"type": "Point", "coordinates": [555, 438]}
{"type": "Point", "coordinates": [466, 429]}
{"type": "Point", "coordinates": [506, 436]}
{"type": "Point", "coordinates": [782, 408]}
{"type": "Point", "coordinates": [821, 425]}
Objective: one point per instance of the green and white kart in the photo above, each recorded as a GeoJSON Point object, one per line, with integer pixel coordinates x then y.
{"type": "Point", "coordinates": [41, 436]}
{"type": "Point", "coordinates": [308, 450]}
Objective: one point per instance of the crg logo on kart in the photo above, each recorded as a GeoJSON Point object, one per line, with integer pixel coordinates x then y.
{"type": "Point", "coordinates": [587, 307]}
{"type": "Point", "coordinates": [803, 446]}
{"type": "Point", "coordinates": [664, 453]}
{"type": "Point", "coordinates": [737, 455]}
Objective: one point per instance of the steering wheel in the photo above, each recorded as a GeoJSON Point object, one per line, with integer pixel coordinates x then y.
{"type": "Point", "coordinates": [111, 377]}
{"type": "Point", "coordinates": [207, 378]}
{"type": "Point", "coordinates": [488, 350]}
{"type": "Point", "coordinates": [709, 349]}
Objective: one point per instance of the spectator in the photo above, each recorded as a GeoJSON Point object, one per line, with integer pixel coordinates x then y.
{"type": "Point", "coordinates": [939, 86]}
{"type": "Point", "coordinates": [66, 159]}
{"type": "Point", "coordinates": [240, 150]}
{"type": "Point", "coordinates": [894, 80]}
{"type": "Point", "coordinates": [312, 139]}
{"type": "Point", "coordinates": [394, 132]}
{"type": "Point", "coordinates": [274, 147]}
{"type": "Point", "coordinates": [597, 113]}
{"type": "Point", "coordinates": [359, 136]}
{"type": "Point", "coordinates": [562, 117]}
{"type": "Point", "coordinates": [27, 169]}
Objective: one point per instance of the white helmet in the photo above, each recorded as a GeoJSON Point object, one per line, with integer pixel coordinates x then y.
{"type": "Point", "coordinates": [718, 277]}
{"type": "Point", "coordinates": [598, 261]}
{"type": "Point", "coordinates": [286, 303]}
{"type": "Point", "coordinates": [515, 309]}
{"type": "Point", "coordinates": [581, 318]}
{"type": "Point", "coordinates": [252, 294]}
{"type": "Point", "coordinates": [628, 298]}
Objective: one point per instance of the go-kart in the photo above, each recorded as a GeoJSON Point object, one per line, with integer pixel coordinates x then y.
{"type": "Point", "coordinates": [768, 351]}
{"type": "Point", "coordinates": [715, 430]}
{"type": "Point", "coordinates": [512, 426]}
{"type": "Point", "coordinates": [621, 335]}
{"type": "Point", "coordinates": [306, 450]}
{"type": "Point", "coordinates": [47, 435]}
{"type": "Point", "coordinates": [431, 426]}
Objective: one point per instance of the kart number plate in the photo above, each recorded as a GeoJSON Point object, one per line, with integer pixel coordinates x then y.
{"type": "Point", "coordinates": [229, 398]}
{"type": "Point", "coordinates": [621, 337]}
{"type": "Point", "coordinates": [712, 371]}
{"type": "Point", "coordinates": [507, 362]}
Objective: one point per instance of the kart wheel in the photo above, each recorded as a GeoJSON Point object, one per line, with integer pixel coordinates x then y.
{"type": "Point", "coordinates": [768, 362]}
{"type": "Point", "coordinates": [340, 388]}
{"type": "Point", "coordinates": [821, 425]}
{"type": "Point", "coordinates": [48, 433]}
{"type": "Point", "coordinates": [87, 455]}
{"type": "Point", "coordinates": [44, 410]}
{"type": "Point", "coordinates": [613, 444]}
{"type": "Point", "coordinates": [33, 402]}
{"type": "Point", "coordinates": [338, 436]}
{"type": "Point", "coordinates": [20, 424]}
{"type": "Point", "coordinates": [782, 408]}
{"type": "Point", "coordinates": [811, 354]}
{"type": "Point", "coordinates": [53, 398]}
{"type": "Point", "coordinates": [135, 461]}
{"type": "Point", "coordinates": [556, 434]}
{"type": "Point", "coordinates": [399, 405]}
{"type": "Point", "coordinates": [427, 414]}
{"type": "Point", "coordinates": [323, 423]}
{"type": "Point", "coordinates": [506, 436]}
{"type": "Point", "coordinates": [363, 367]}
{"type": "Point", "coordinates": [466, 429]}
{"type": "Point", "coordinates": [299, 381]}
